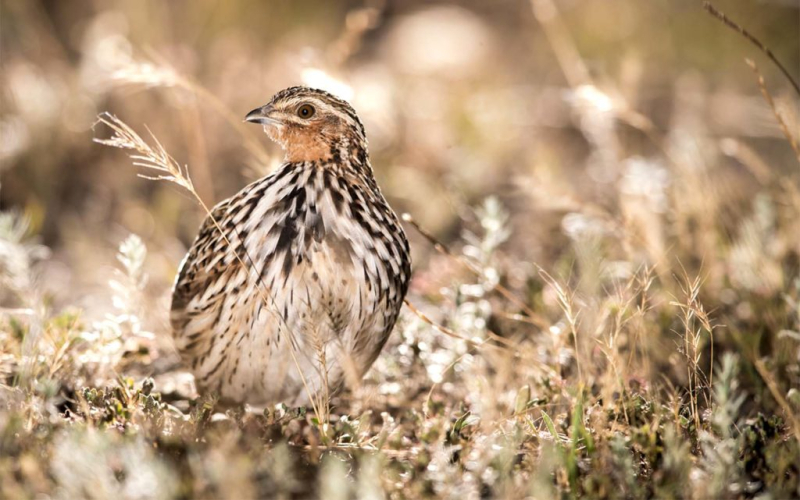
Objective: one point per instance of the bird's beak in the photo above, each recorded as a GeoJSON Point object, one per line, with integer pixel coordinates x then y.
{"type": "Point", "coordinates": [262, 115]}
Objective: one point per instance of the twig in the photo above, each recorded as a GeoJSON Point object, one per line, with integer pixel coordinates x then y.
{"type": "Point", "coordinates": [755, 41]}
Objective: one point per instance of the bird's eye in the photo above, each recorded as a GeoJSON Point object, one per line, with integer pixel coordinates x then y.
{"type": "Point", "coordinates": [305, 111]}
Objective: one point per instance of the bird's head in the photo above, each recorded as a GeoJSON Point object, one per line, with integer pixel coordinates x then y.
{"type": "Point", "coordinates": [311, 125]}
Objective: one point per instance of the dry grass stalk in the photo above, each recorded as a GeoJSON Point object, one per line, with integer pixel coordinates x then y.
{"type": "Point", "coordinates": [748, 157]}
{"type": "Point", "coordinates": [151, 158]}
{"type": "Point", "coordinates": [644, 280]}
{"type": "Point", "coordinates": [573, 66]}
{"type": "Point", "coordinates": [566, 302]}
{"type": "Point", "coordinates": [772, 385]}
{"type": "Point", "coordinates": [157, 72]}
{"type": "Point", "coordinates": [624, 310]}
{"type": "Point", "coordinates": [695, 319]}
{"type": "Point", "coordinates": [771, 103]}
{"type": "Point", "coordinates": [752, 39]}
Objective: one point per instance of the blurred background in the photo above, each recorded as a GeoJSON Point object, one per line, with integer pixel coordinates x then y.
{"type": "Point", "coordinates": [573, 107]}
{"type": "Point", "coordinates": [619, 190]}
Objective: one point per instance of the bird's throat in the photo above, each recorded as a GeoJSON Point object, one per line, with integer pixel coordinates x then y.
{"type": "Point", "coordinates": [308, 150]}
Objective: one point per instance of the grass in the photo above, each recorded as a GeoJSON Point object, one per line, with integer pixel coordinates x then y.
{"type": "Point", "coordinates": [651, 350]}
{"type": "Point", "coordinates": [514, 410]}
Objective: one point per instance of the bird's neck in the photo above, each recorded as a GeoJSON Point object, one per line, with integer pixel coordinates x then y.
{"type": "Point", "coordinates": [348, 153]}
{"type": "Point", "coordinates": [352, 150]}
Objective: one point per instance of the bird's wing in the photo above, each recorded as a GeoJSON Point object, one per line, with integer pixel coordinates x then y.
{"type": "Point", "coordinates": [241, 237]}
{"type": "Point", "coordinates": [196, 273]}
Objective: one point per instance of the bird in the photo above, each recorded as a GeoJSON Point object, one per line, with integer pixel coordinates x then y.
{"type": "Point", "coordinates": [293, 285]}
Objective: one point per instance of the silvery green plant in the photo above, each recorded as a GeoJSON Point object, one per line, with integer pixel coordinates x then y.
{"type": "Point", "coordinates": [720, 444]}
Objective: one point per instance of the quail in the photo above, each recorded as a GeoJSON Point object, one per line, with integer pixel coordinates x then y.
{"type": "Point", "coordinates": [293, 285]}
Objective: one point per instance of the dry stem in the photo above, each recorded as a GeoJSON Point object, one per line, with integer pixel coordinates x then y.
{"type": "Point", "coordinates": [755, 41]}
{"type": "Point", "coordinates": [771, 102]}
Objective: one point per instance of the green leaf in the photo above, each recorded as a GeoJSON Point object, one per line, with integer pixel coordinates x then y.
{"type": "Point", "coordinates": [548, 422]}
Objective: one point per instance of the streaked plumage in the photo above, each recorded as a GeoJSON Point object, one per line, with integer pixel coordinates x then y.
{"type": "Point", "coordinates": [326, 265]}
